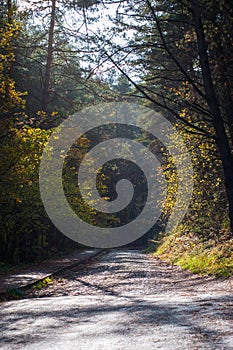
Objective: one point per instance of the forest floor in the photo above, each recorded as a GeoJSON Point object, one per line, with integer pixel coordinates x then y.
{"type": "Point", "coordinates": [125, 299]}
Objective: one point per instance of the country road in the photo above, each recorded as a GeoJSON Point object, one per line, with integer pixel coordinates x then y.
{"type": "Point", "coordinates": [125, 299]}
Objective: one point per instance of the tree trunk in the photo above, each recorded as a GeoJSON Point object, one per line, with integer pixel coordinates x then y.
{"type": "Point", "coordinates": [218, 123]}
{"type": "Point", "coordinates": [9, 10]}
{"type": "Point", "coordinates": [226, 91]}
{"type": "Point", "coordinates": [47, 79]}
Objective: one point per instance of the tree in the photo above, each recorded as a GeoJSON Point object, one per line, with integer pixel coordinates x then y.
{"type": "Point", "coordinates": [175, 52]}
{"type": "Point", "coordinates": [10, 99]}
{"type": "Point", "coordinates": [51, 66]}
{"type": "Point", "coordinates": [47, 77]}
{"type": "Point", "coordinates": [213, 102]}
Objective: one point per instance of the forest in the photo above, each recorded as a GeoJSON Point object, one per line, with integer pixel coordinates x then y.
{"type": "Point", "coordinates": [58, 57]}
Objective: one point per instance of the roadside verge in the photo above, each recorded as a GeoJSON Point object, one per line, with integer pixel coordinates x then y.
{"type": "Point", "coordinates": [27, 276]}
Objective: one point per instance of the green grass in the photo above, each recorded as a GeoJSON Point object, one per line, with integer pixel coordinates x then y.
{"type": "Point", "coordinates": [210, 257]}
{"type": "Point", "coordinates": [14, 293]}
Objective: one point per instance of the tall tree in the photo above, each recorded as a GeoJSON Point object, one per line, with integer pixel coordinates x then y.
{"type": "Point", "coordinates": [47, 77]}
{"type": "Point", "coordinates": [213, 102]}
{"type": "Point", "coordinates": [174, 52]}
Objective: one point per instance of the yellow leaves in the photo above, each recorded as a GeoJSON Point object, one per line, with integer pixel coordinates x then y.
{"type": "Point", "coordinates": [218, 181]}
{"type": "Point", "coordinates": [53, 114]}
{"type": "Point", "coordinates": [18, 200]}
{"type": "Point", "coordinates": [208, 195]}
{"type": "Point", "coordinates": [11, 99]}
{"type": "Point", "coordinates": [41, 114]}
{"type": "Point", "coordinates": [183, 90]}
{"type": "Point", "coordinates": [183, 112]}
{"type": "Point", "coordinates": [20, 170]}
{"type": "Point", "coordinates": [188, 37]}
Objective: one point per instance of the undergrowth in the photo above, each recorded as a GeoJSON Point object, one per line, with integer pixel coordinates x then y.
{"type": "Point", "coordinates": [43, 283]}
{"type": "Point", "coordinates": [203, 256]}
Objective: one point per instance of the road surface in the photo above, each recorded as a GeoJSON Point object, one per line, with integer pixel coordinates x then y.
{"type": "Point", "coordinates": [126, 299]}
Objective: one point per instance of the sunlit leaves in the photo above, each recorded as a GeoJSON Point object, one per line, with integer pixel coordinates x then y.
{"type": "Point", "coordinates": [11, 99]}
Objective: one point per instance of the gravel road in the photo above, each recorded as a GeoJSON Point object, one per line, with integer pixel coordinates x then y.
{"type": "Point", "coordinates": [125, 299]}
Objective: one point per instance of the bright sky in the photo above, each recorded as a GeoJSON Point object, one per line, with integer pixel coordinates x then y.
{"type": "Point", "coordinates": [72, 21]}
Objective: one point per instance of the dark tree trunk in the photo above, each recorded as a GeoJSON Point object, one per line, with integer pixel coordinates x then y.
{"type": "Point", "coordinates": [221, 136]}
{"type": "Point", "coordinates": [225, 93]}
{"type": "Point", "coordinates": [47, 78]}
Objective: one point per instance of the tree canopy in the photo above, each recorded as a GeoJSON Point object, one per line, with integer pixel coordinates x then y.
{"type": "Point", "coordinates": [59, 56]}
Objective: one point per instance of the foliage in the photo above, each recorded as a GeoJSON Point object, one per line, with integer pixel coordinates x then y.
{"type": "Point", "coordinates": [26, 232]}
{"type": "Point", "coordinates": [201, 242]}
{"type": "Point", "coordinates": [14, 293]}
{"type": "Point", "coordinates": [157, 55]}
{"type": "Point", "coordinates": [21, 207]}
{"type": "Point", "coordinates": [43, 283]}
{"type": "Point", "coordinates": [71, 86]}
{"type": "Point", "coordinates": [10, 99]}
{"type": "Point", "coordinates": [190, 251]}
{"type": "Point", "coordinates": [172, 60]}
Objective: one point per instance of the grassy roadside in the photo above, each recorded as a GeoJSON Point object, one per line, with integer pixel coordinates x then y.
{"type": "Point", "coordinates": [211, 257]}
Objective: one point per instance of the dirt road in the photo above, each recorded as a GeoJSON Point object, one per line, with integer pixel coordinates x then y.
{"type": "Point", "coordinates": [124, 300]}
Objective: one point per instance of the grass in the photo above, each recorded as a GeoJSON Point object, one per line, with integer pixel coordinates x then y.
{"type": "Point", "coordinates": [205, 257]}
{"type": "Point", "coordinates": [14, 293]}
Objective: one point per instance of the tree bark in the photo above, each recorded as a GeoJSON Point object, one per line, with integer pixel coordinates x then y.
{"type": "Point", "coordinates": [211, 96]}
{"type": "Point", "coordinates": [47, 78]}
{"type": "Point", "coordinates": [226, 90]}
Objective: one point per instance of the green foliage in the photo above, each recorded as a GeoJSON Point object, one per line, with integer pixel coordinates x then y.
{"type": "Point", "coordinates": [26, 232]}
{"type": "Point", "coordinates": [43, 283]}
{"type": "Point", "coordinates": [190, 251]}
{"type": "Point", "coordinates": [14, 293]}
{"type": "Point", "coordinates": [173, 80]}
{"type": "Point", "coordinates": [71, 87]}
{"type": "Point", "coordinates": [21, 208]}
{"type": "Point", "coordinates": [201, 242]}
{"type": "Point", "coordinates": [11, 100]}
{"type": "Point", "coordinates": [208, 213]}
{"type": "Point", "coordinates": [70, 179]}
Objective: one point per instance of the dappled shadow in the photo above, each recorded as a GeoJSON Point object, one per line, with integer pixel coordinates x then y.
{"type": "Point", "coordinates": [139, 313]}
{"type": "Point", "coordinates": [32, 272]}
{"type": "Point", "coordinates": [124, 295]}
{"type": "Point", "coordinates": [119, 272]}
